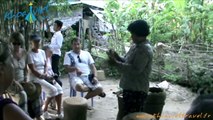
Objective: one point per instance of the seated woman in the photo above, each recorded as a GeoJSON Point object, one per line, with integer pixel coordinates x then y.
{"type": "Point", "coordinates": [19, 84]}
{"type": "Point", "coordinates": [8, 109]}
{"type": "Point", "coordinates": [39, 74]}
{"type": "Point", "coordinates": [19, 58]}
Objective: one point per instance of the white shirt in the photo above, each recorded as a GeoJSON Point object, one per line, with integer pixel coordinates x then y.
{"type": "Point", "coordinates": [84, 65]}
{"type": "Point", "coordinates": [38, 59]}
{"type": "Point", "coordinates": [56, 43]}
{"type": "Point", "coordinates": [49, 68]}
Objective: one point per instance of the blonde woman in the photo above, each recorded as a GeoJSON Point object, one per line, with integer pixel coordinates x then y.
{"type": "Point", "coordinates": [28, 97]}
{"type": "Point", "coordinates": [19, 60]}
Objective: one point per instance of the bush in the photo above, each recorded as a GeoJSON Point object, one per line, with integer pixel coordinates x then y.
{"type": "Point", "coordinates": [188, 67]}
{"type": "Point", "coordinates": [101, 63]}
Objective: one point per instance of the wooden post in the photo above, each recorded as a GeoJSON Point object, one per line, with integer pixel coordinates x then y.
{"type": "Point", "coordinates": [75, 108]}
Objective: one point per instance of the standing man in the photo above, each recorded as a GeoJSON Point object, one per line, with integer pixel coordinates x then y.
{"type": "Point", "coordinates": [56, 44]}
{"type": "Point", "coordinates": [135, 67]}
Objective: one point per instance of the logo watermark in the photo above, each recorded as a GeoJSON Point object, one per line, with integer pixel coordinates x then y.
{"type": "Point", "coordinates": [179, 115]}
{"type": "Point", "coordinates": [30, 15]}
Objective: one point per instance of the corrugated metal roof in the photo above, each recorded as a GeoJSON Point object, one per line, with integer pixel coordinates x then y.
{"type": "Point", "coordinates": [105, 26]}
{"type": "Point", "coordinates": [96, 3]}
{"type": "Point", "coordinates": [67, 23]}
{"type": "Point", "coordinates": [98, 13]}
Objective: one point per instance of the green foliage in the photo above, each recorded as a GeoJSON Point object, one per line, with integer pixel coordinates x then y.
{"type": "Point", "coordinates": [172, 77]}
{"type": "Point", "coordinates": [190, 67]}
{"type": "Point", "coordinates": [101, 63]}
{"type": "Point", "coordinates": [62, 8]}
{"type": "Point", "coordinates": [175, 22]}
{"type": "Point", "coordinates": [172, 20]}
{"type": "Point", "coordinates": [202, 80]}
{"type": "Point", "coordinates": [110, 71]}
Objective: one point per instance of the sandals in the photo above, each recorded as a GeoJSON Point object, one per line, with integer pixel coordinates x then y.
{"type": "Point", "coordinates": [102, 95]}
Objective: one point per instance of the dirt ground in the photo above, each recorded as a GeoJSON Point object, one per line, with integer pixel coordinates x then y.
{"type": "Point", "coordinates": [177, 102]}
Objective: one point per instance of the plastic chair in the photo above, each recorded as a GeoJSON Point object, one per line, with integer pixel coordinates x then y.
{"type": "Point", "coordinates": [73, 93]}
{"type": "Point", "coordinates": [43, 96]}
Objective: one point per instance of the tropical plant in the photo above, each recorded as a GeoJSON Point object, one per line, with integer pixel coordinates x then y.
{"type": "Point", "coordinates": [185, 25]}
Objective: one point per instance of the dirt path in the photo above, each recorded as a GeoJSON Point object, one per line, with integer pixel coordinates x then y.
{"type": "Point", "coordinates": [177, 102]}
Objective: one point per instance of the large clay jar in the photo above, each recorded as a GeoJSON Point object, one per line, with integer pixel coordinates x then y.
{"type": "Point", "coordinates": [139, 116]}
{"type": "Point", "coordinates": [155, 102]}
